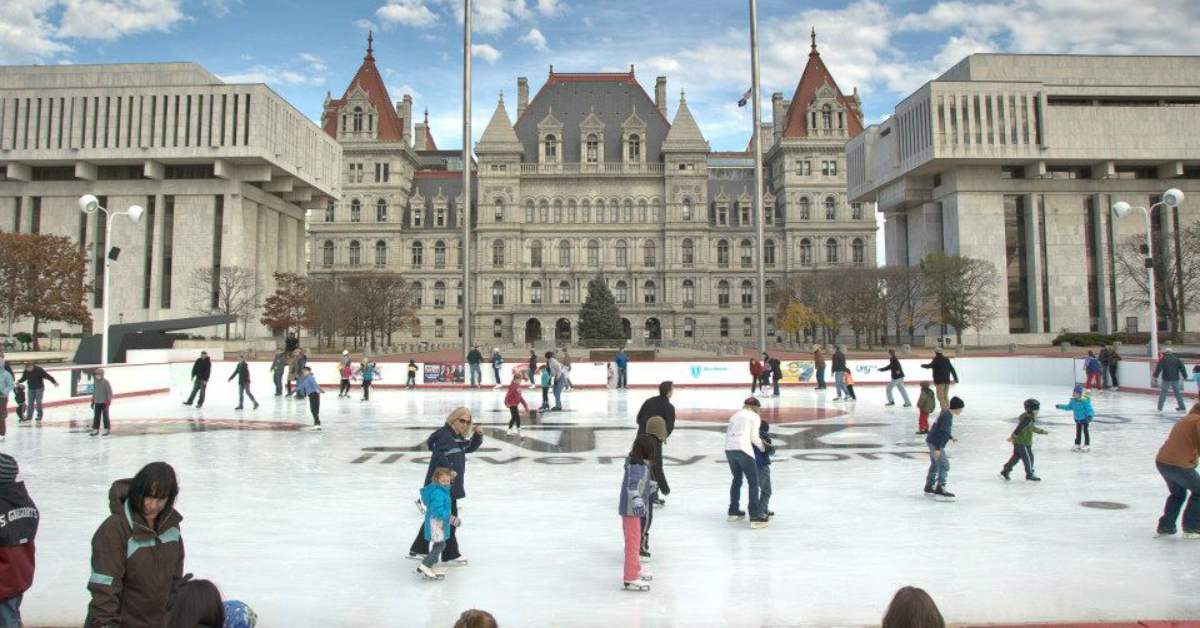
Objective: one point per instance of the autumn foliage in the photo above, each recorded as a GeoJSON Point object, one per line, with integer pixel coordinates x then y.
{"type": "Point", "coordinates": [42, 278]}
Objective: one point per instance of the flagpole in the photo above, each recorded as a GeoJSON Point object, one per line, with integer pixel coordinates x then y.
{"type": "Point", "coordinates": [758, 177]}
{"type": "Point", "coordinates": [466, 195]}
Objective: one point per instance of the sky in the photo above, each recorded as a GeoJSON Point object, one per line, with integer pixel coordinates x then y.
{"type": "Point", "coordinates": [306, 48]}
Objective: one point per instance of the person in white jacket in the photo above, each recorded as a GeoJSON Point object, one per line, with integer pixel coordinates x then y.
{"type": "Point", "coordinates": [741, 437]}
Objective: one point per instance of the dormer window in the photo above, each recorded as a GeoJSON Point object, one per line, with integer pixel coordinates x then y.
{"type": "Point", "coordinates": [593, 149]}
{"type": "Point", "coordinates": [551, 149]}
{"type": "Point", "coordinates": [635, 147]}
{"type": "Point", "coordinates": [827, 116]}
{"type": "Point", "coordinates": [439, 217]}
{"type": "Point", "coordinates": [358, 119]}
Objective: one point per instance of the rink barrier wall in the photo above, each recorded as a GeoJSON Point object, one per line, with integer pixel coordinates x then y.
{"type": "Point", "coordinates": [128, 380]}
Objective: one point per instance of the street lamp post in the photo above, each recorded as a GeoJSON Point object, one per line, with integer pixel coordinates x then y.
{"type": "Point", "coordinates": [1171, 198]}
{"type": "Point", "coordinates": [89, 205]}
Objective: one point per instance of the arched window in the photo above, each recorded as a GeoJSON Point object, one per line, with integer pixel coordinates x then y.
{"type": "Point", "coordinates": [643, 214]}
{"type": "Point", "coordinates": [551, 149]}
{"type": "Point", "coordinates": [689, 293]}
{"type": "Point", "coordinates": [571, 211]}
{"type": "Point", "coordinates": [564, 292]}
{"type": "Point", "coordinates": [687, 209]}
{"type": "Point", "coordinates": [723, 293]}
{"type": "Point", "coordinates": [593, 148]}
{"type": "Point", "coordinates": [689, 252]}
{"type": "Point", "coordinates": [856, 211]}
{"type": "Point", "coordinates": [858, 253]}
{"type": "Point", "coordinates": [381, 210]}
{"type": "Point", "coordinates": [418, 254]}
{"type": "Point", "coordinates": [649, 253]}
{"type": "Point", "coordinates": [459, 290]}
{"type": "Point", "coordinates": [529, 210]}
{"type": "Point", "coordinates": [355, 210]}
{"type": "Point", "coordinates": [497, 253]}
{"type": "Point", "coordinates": [723, 253]}
{"type": "Point", "coordinates": [439, 295]}
{"type": "Point", "coordinates": [770, 289]}
{"type": "Point", "coordinates": [622, 254]}
{"type": "Point", "coordinates": [593, 253]}
{"type": "Point", "coordinates": [830, 208]}
{"type": "Point", "coordinates": [498, 293]}
{"type": "Point", "coordinates": [827, 116]}
{"type": "Point", "coordinates": [627, 215]}
{"type": "Point", "coordinates": [439, 328]}
{"type": "Point", "coordinates": [689, 328]}
{"type": "Point", "coordinates": [497, 328]}
{"type": "Point", "coordinates": [380, 254]}
{"type": "Point", "coordinates": [535, 254]}
{"type": "Point", "coordinates": [418, 293]}
{"type": "Point", "coordinates": [747, 293]}
{"type": "Point", "coordinates": [649, 293]}
{"type": "Point", "coordinates": [585, 211]}
{"type": "Point", "coordinates": [558, 213]}
{"type": "Point", "coordinates": [747, 253]}
{"type": "Point", "coordinates": [358, 119]}
{"type": "Point", "coordinates": [544, 211]}
{"type": "Point", "coordinates": [535, 293]}
{"type": "Point", "coordinates": [498, 210]}
{"type": "Point", "coordinates": [635, 147]}
{"type": "Point", "coordinates": [831, 251]}
{"type": "Point", "coordinates": [769, 253]}
{"type": "Point", "coordinates": [327, 253]}
{"type": "Point", "coordinates": [622, 293]}
{"type": "Point", "coordinates": [564, 254]}
{"type": "Point", "coordinates": [329, 210]}
{"type": "Point", "coordinates": [806, 252]}
{"type": "Point", "coordinates": [355, 253]}
{"type": "Point", "coordinates": [724, 327]}
{"type": "Point", "coordinates": [805, 209]}
{"type": "Point", "coordinates": [747, 327]}
{"type": "Point", "coordinates": [439, 254]}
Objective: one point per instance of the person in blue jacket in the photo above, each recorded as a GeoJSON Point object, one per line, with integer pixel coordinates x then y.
{"type": "Point", "coordinates": [307, 386]}
{"type": "Point", "coordinates": [497, 361]}
{"type": "Point", "coordinates": [622, 361]}
{"type": "Point", "coordinates": [449, 446]}
{"type": "Point", "coordinates": [1081, 405]}
{"type": "Point", "coordinates": [368, 371]}
{"type": "Point", "coordinates": [939, 461]}
{"type": "Point", "coordinates": [439, 521]}
{"type": "Point", "coordinates": [1092, 366]}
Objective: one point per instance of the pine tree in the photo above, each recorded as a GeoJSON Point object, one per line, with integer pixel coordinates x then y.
{"type": "Point", "coordinates": [599, 319]}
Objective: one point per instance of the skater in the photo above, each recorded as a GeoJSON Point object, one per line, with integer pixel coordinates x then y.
{"type": "Point", "coordinates": [819, 366]}
{"type": "Point", "coordinates": [439, 522]}
{"type": "Point", "coordinates": [545, 377]}
{"type": "Point", "coordinates": [1022, 442]}
{"type": "Point", "coordinates": [848, 380]}
{"type": "Point", "coordinates": [897, 382]}
{"type": "Point", "coordinates": [242, 373]}
{"type": "Point", "coordinates": [16, 541]}
{"type": "Point", "coordinates": [278, 366]}
{"type": "Point", "coordinates": [1092, 366]}
{"type": "Point", "coordinates": [566, 369]}
{"type": "Point", "coordinates": [762, 460]}
{"type": "Point", "coordinates": [622, 362]}
{"type": "Point", "coordinates": [449, 446]}
{"type": "Point", "coordinates": [201, 370]}
{"type": "Point", "coordinates": [659, 405]}
{"type": "Point", "coordinates": [939, 460]}
{"type": "Point", "coordinates": [102, 396]}
{"type": "Point", "coordinates": [307, 386]}
{"type": "Point", "coordinates": [512, 399]}
{"type": "Point", "coordinates": [196, 604]}
{"type": "Point", "coordinates": [634, 503]}
{"type": "Point", "coordinates": [345, 373]}
{"type": "Point", "coordinates": [6, 386]}
{"type": "Point", "coordinates": [412, 375]}
{"type": "Point", "coordinates": [1176, 463]}
{"type": "Point", "coordinates": [1105, 362]}
{"type": "Point", "coordinates": [1081, 405]}
{"type": "Point", "coordinates": [473, 360]}
{"type": "Point", "coordinates": [292, 343]}
{"type": "Point", "coordinates": [556, 371]}
{"type": "Point", "coordinates": [368, 371]}
{"type": "Point", "coordinates": [741, 437]}
{"type": "Point", "coordinates": [36, 376]}
{"type": "Point", "coordinates": [839, 373]}
{"type": "Point", "coordinates": [1114, 365]}
{"type": "Point", "coordinates": [19, 401]}
{"type": "Point", "coordinates": [1172, 371]}
{"type": "Point", "coordinates": [943, 371]}
{"type": "Point", "coordinates": [532, 369]}
{"type": "Point", "coordinates": [656, 428]}
{"type": "Point", "coordinates": [755, 375]}
{"type": "Point", "coordinates": [137, 553]}
{"type": "Point", "coordinates": [301, 364]}
{"type": "Point", "coordinates": [765, 384]}
{"type": "Point", "coordinates": [497, 361]}
{"type": "Point", "coordinates": [776, 374]}
{"type": "Point", "coordinates": [293, 372]}
{"type": "Point", "coordinates": [925, 405]}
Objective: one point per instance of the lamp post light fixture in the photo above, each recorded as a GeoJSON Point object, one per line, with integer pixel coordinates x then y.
{"type": "Point", "coordinates": [1171, 198]}
{"type": "Point", "coordinates": [89, 205]}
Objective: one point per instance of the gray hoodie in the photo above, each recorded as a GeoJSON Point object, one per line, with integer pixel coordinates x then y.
{"type": "Point", "coordinates": [101, 391]}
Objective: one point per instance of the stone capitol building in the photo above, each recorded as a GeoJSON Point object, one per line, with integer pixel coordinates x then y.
{"type": "Point", "coordinates": [593, 178]}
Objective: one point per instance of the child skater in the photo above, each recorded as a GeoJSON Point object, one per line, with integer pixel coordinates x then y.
{"type": "Point", "coordinates": [19, 398]}
{"type": "Point", "coordinates": [939, 461]}
{"type": "Point", "coordinates": [1081, 405]}
{"type": "Point", "coordinates": [545, 370]}
{"type": "Point", "coordinates": [346, 371]}
{"type": "Point", "coordinates": [439, 523]}
{"type": "Point", "coordinates": [306, 386]}
{"type": "Point", "coordinates": [512, 399]}
{"type": "Point", "coordinates": [636, 488]}
{"type": "Point", "coordinates": [412, 375]}
{"type": "Point", "coordinates": [1022, 442]}
{"type": "Point", "coordinates": [925, 405]}
{"type": "Point", "coordinates": [848, 379]}
{"type": "Point", "coordinates": [762, 459]}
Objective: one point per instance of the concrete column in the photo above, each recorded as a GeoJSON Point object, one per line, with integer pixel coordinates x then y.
{"type": "Point", "coordinates": [1033, 263]}
{"type": "Point", "coordinates": [1101, 216]}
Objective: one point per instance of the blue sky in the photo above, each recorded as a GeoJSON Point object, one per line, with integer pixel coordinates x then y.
{"type": "Point", "coordinates": [303, 48]}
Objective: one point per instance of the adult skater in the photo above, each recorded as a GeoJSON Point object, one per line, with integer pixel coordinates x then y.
{"type": "Point", "coordinates": [566, 369]}
{"type": "Point", "coordinates": [1092, 366]}
{"type": "Point", "coordinates": [1022, 442]}
{"type": "Point", "coordinates": [201, 370]}
{"type": "Point", "coordinates": [819, 366]}
{"type": "Point", "coordinates": [473, 360]}
{"type": "Point", "coordinates": [897, 373]}
{"type": "Point", "coordinates": [36, 377]}
{"type": "Point", "coordinates": [102, 396]}
{"type": "Point", "coordinates": [1114, 362]}
{"type": "Point", "coordinates": [839, 373]}
{"type": "Point", "coordinates": [291, 343]}
{"type": "Point", "coordinates": [1171, 369]}
{"type": "Point", "coordinates": [278, 366]}
{"type": "Point", "coordinates": [532, 368]}
{"type": "Point", "coordinates": [1176, 463]}
{"type": "Point", "coordinates": [242, 373]}
{"type": "Point", "coordinates": [368, 371]}
{"type": "Point", "coordinates": [307, 387]}
{"type": "Point", "coordinates": [943, 371]}
{"type": "Point", "coordinates": [556, 371]}
{"type": "Point", "coordinates": [636, 487]}
{"type": "Point", "coordinates": [937, 439]}
{"type": "Point", "coordinates": [137, 553]}
{"type": "Point", "coordinates": [497, 362]}
{"type": "Point", "coordinates": [449, 446]}
{"type": "Point", "coordinates": [755, 375]}
{"type": "Point", "coordinates": [741, 437]}
{"type": "Point", "coordinates": [16, 541]}
{"type": "Point", "coordinates": [766, 370]}
{"type": "Point", "coordinates": [776, 374]}
{"type": "Point", "coordinates": [658, 405]}
{"type": "Point", "coordinates": [622, 362]}
{"type": "Point", "coordinates": [411, 382]}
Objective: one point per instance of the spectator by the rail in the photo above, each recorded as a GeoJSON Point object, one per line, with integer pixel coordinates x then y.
{"type": "Point", "coordinates": [36, 377]}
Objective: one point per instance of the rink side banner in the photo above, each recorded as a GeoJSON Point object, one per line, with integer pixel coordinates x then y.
{"type": "Point", "coordinates": [443, 373]}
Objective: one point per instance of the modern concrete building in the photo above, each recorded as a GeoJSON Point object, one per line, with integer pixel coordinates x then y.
{"type": "Point", "coordinates": [594, 178]}
{"type": "Point", "coordinates": [224, 172]}
{"type": "Point", "coordinates": [1016, 159]}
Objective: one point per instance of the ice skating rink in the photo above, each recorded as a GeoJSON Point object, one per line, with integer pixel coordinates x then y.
{"type": "Point", "coordinates": [312, 529]}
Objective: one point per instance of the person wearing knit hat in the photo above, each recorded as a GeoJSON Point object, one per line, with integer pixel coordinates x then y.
{"type": "Point", "coordinates": [656, 433]}
{"type": "Point", "coordinates": [941, 435]}
{"type": "Point", "coordinates": [1081, 406]}
{"type": "Point", "coordinates": [741, 438]}
{"type": "Point", "coordinates": [637, 486]}
{"type": "Point", "coordinates": [239, 615]}
{"type": "Point", "coordinates": [16, 541]}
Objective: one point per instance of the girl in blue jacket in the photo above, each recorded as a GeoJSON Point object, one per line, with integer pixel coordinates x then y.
{"type": "Point", "coordinates": [1081, 405]}
{"type": "Point", "coordinates": [439, 522]}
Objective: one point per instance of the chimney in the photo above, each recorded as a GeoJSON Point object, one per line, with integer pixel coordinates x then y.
{"type": "Point", "coordinates": [404, 110]}
{"type": "Point", "coordinates": [778, 113]}
{"type": "Point", "coordinates": [422, 136]}
{"type": "Point", "coordinates": [660, 94]}
{"type": "Point", "coordinates": [522, 95]}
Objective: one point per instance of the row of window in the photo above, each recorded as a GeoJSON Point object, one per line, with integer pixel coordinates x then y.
{"type": "Point", "coordinates": [354, 173]}
{"type": "Point", "coordinates": [592, 148]}
{"type": "Point", "coordinates": [829, 168]}
{"type": "Point", "coordinates": [652, 326]}
{"type": "Point", "coordinates": [621, 293]}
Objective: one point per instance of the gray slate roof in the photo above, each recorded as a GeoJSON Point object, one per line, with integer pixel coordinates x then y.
{"type": "Point", "coordinates": [450, 187]}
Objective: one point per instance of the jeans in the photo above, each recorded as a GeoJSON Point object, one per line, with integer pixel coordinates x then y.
{"type": "Point", "coordinates": [558, 386]}
{"type": "Point", "coordinates": [277, 378]}
{"type": "Point", "coordinates": [631, 527]}
{"type": "Point", "coordinates": [1112, 371]}
{"type": "Point", "coordinates": [943, 395]}
{"type": "Point", "coordinates": [939, 468]}
{"type": "Point", "coordinates": [99, 411]}
{"type": "Point", "coordinates": [35, 401]}
{"type": "Point", "coordinates": [435, 551]}
{"type": "Point", "coordinates": [622, 377]}
{"type": "Point", "coordinates": [496, 372]}
{"type": "Point", "coordinates": [1176, 387]}
{"type": "Point", "coordinates": [897, 383]}
{"type": "Point", "coordinates": [764, 488]}
{"type": "Point", "coordinates": [475, 375]}
{"type": "Point", "coordinates": [1179, 482]}
{"type": "Point", "coordinates": [1023, 453]}
{"type": "Point", "coordinates": [314, 406]}
{"type": "Point", "coordinates": [450, 552]}
{"type": "Point", "coordinates": [411, 382]}
{"type": "Point", "coordinates": [10, 612]}
{"type": "Point", "coordinates": [820, 377]}
{"type": "Point", "coordinates": [366, 388]}
{"type": "Point", "coordinates": [839, 384]}
{"type": "Point", "coordinates": [775, 383]}
{"type": "Point", "coordinates": [244, 390]}
{"type": "Point", "coordinates": [545, 397]}
{"type": "Point", "coordinates": [1081, 429]}
{"type": "Point", "coordinates": [199, 386]}
{"type": "Point", "coordinates": [344, 388]}
{"type": "Point", "coordinates": [742, 464]}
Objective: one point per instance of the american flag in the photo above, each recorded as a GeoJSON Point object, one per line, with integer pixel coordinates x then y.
{"type": "Point", "coordinates": [745, 98]}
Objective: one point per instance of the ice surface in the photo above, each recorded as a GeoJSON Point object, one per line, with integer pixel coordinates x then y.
{"type": "Point", "coordinates": [313, 529]}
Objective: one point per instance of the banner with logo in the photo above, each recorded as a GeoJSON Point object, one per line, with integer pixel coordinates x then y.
{"type": "Point", "coordinates": [448, 373]}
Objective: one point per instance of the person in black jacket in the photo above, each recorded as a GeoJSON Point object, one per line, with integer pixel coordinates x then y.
{"type": "Point", "coordinates": [893, 365]}
{"type": "Point", "coordinates": [242, 373]}
{"type": "Point", "coordinates": [839, 373]}
{"type": "Point", "coordinates": [658, 406]}
{"type": "Point", "coordinates": [449, 446]}
{"type": "Point", "coordinates": [776, 374]}
{"type": "Point", "coordinates": [656, 432]}
{"type": "Point", "coordinates": [201, 369]}
{"type": "Point", "coordinates": [943, 370]}
{"type": "Point", "coordinates": [36, 376]}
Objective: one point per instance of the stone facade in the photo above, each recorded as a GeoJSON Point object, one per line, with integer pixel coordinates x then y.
{"type": "Point", "coordinates": [1016, 159]}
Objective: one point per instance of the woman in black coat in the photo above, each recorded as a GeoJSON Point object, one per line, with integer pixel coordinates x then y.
{"type": "Point", "coordinates": [448, 447]}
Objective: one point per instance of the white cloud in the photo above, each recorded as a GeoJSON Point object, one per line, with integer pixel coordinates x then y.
{"type": "Point", "coordinates": [485, 52]}
{"type": "Point", "coordinates": [306, 69]}
{"type": "Point", "coordinates": [490, 17]}
{"type": "Point", "coordinates": [406, 13]}
{"type": "Point", "coordinates": [112, 19]}
{"type": "Point", "coordinates": [550, 7]}
{"type": "Point", "coordinates": [397, 93]}
{"type": "Point", "coordinates": [365, 25]}
{"type": "Point", "coordinates": [27, 32]}
{"type": "Point", "coordinates": [220, 8]}
{"type": "Point", "coordinates": [315, 63]}
{"type": "Point", "coordinates": [536, 39]}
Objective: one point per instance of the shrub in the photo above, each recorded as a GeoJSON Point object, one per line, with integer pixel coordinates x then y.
{"type": "Point", "coordinates": [1089, 339]}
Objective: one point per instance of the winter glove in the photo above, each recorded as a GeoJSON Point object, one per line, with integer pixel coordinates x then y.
{"type": "Point", "coordinates": [455, 521]}
{"type": "Point", "coordinates": [639, 507]}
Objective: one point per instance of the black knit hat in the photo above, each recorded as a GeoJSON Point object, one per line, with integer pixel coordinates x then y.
{"type": "Point", "coordinates": [956, 403]}
{"type": "Point", "coordinates": [8, 469]}
{"type": "Point", "coordinates": [1032, 405]}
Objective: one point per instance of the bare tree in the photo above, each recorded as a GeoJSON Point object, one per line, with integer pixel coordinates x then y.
{"type": "Point", "coordinates": [380, 303]}
{"type": "Point", "coordinates": [1176, 276]}
{"type": "Point", "coordinates": [231, 290]}
{"type": "Point", "coordinates": [329, 307]}
{"type": "Point", "coordinates": [904, 294]}
{"type": "Point", "coordinates": [962, 290]}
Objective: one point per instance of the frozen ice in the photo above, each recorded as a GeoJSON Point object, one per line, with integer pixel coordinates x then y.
{"type": "Point", "coordinates": [313, 529]}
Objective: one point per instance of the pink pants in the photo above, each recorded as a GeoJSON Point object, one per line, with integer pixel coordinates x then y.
{"type": "Point", "coordinates": [633, 545]}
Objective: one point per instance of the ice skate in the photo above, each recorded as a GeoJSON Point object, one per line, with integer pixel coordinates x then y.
{"type": "Point", "coordinates": [416, 556]}
{"type": "Point", "coordinates": [1076, 448]}
{"type": "Point", "coordinates": [1191, 534]}
{"type": "Point", "coordinates": [93, 432]}
{"type": "Point", "coordinates": [457, 562]}
{"type": "Point", "coordinates": [315, 428]}
{"type": "Point", "coordinates": [889, 404]}
{"type": "Point", "coordinates": [428, 573]}
{"type": "Point", "coordinates": [637, 585]}
{"type": "Point", "coordinates": [1004, 474]}
{"type": "Point", "coordinates": [645, 577]}
{"type": "Point", "coordinates": [759, 523]}
{"type": "Point", "coordinates": [929, 490]}
{"type": "Point", "coordinates": [908, 405]}
{"type": "Point", "coordinates": [644, 554]}
{"type": "Point", "coordinates": [1033, 478]}
{"type": "Point", "coordinates": [106, 432]}
{"type": "Point", "coordinates": [519, 433]}
{"type": "Point", "coordinates": [942, 495]}
{"type": "Point", "coordinates": [255, 405]}
{"type": "Point", "coordinates": [736, 516]}
{"type": "Point", "coordinates": [508, 432]}
{"type": "Point", "coordinates": [1086, 448]}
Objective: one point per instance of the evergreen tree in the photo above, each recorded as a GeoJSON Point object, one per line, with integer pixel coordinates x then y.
{"type": "Point", "coordinates": [599, 319]}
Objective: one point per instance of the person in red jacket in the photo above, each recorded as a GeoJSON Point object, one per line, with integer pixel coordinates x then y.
{"type": "Point", "coordinates": [756, 370]}
{"type": "Point", "coordinates": [512, 399]}
{"type": "Point", "coordinates": [18, 527]}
